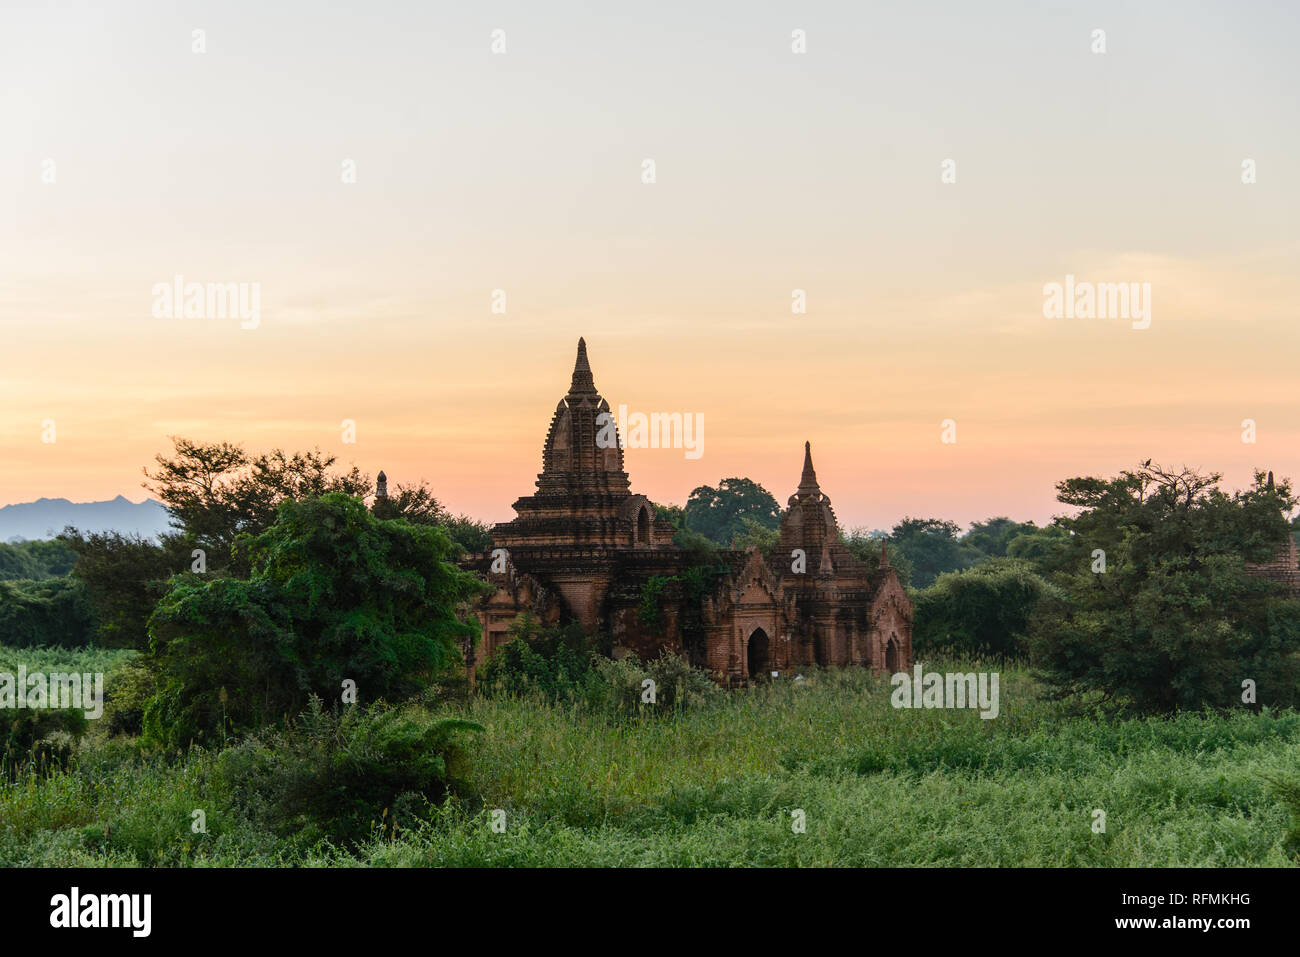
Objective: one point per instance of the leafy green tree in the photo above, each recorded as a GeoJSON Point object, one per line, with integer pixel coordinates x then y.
{"type": "Point", "coordinates": [50, 612]}
{"type": "Point", "coordinates": [759, 536]}
{"type": "Point", "coordinates": [984, 610]}
{"type": "Point", "coordinates": [217, 492]}
{"type": "Point", "coordinates": [469, 533]}
{"type": "Point", "coordinates": [1047, 549]}
{"type": "Point", "coordinates": [35, 560]}
{"type": "Point", "coordinates": [719, 513]}
{"type": "Point", "coordinates": [930, 546]}
{"type": "Point", "coordinates": [1176, 620]}
{"type": "Point", "coordinates": [124, 576]}
{"type": "Point", "coordinates": [415, 503]}
{"type": "Point", "coordinates": [865, 547]}
{"type": "Point", "coordinates": [675, 515]}
{"type": "Point", "coordinates": [991, 538]}
{"type": "Point", "coordinates": [552, 660]}
{"type": "Point", "coordinates": [334, 594]}
{"type": "Point", "coordinates": [418, 505]}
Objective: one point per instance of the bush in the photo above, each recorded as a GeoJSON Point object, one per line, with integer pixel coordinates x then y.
{"type": "Point", "coordinates": [1289, 792]}
{"type": "Point", "coordinates": [562, 665]}
{"type": "Point", "coordinates": [39, 739]}
{"type": "Point", "coordinates": [984, 610]}
{"type": "Point", "coordinates": [125, 698]}
{"type": "Point", "coordinates": [553, 661]}
{"type": "Point", "coordinates": [338, 775]}
{"type": "Point", "coordinates": [618, 689]}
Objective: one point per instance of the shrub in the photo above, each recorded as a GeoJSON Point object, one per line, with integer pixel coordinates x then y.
{"type": "Point", "coordinates": [39, 739]}
{"type": "Point", "coordinates": [618, 689]}
{"type": "Point", "coordinates": [550, 660]}
{"type": "Point", "coordinates": [983, 610]}
{"type": "Point", "coordinates": [1289, 791]}
{"type": "Point", "coordinates": [339, 774]}
{"type": "Point", "coordinates": [125, 698]}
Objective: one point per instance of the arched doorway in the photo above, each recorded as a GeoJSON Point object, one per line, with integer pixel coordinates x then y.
{"type": "Point", "coordinates": [891, 656]}
{"type": "Point", "coordinates": [759, 654]}
{"type": "Point", "coordinates": [643, 527]}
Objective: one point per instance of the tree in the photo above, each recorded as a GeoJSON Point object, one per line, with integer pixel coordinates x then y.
{"type": "Point", "coordinates": [415, 503]}
{"type": "Point", "coordinates": [930, 547]}
{"type": "Point", "coordinates": [217, 492]}
{"type": "Point", "coordinates": [1159, 610]}
{"type": "Point", "coordinates": [1047, 548]}
{"type": "Point", "coordinates": [865, 546]}
{"type": "Point", "coordinates": [418, 505]}
{"type": "Point", "coordinates": [983, 610]}
{"type": "Point", "coordinates": [124, 576]}
{"type": "Point", "coordinates": [49, 612]}
{"type": "Point", "coordinates": [991, 538]}
{"type": "Point", "coordinates": [754, 534]}
{"type": "Point", "coordinates": [469, 533]}
{"type": "Point", "coordinates": [334, 594]}
{"type": "Point", "coordinates": [719, 513]}
{"type": "Point", "coordinates": [35, 560]}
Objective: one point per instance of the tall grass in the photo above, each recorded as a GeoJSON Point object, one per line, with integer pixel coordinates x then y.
{"type": "Point", "coordinates": [718, 785]}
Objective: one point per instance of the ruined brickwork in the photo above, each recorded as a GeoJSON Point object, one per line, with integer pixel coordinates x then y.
{"type": "Point", "coordinates": [584, 548]}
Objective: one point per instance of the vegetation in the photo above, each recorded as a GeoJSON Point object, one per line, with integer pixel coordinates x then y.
{"type": "Point", "coordinates": [983, 611]}
{"type": "Point", "coordinates": [334, 595]}
{"type": "Point", "coordinates": [35, 561]}
{"type": "Point", "coordinates": [301, 683]}
{"type": "Point", "coordinates": [49, 612]}
{"type": "Point", "coordinates": [719, 514]}
{"type": "Point", "coordinates": [324, 776]}
{"type": "Point", "coordinates": [123, 577]}
{"type": "Point", "coordinates": [1156, 609]}
{"type": "Point", "coordinates": [710, 785]}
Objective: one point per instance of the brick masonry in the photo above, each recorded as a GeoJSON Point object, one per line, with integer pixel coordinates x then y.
{"type": "Point", "coordinates": [584, 546]}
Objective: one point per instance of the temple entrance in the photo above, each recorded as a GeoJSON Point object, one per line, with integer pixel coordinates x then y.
{"type": "Point", "coordinates": [759, 657]}
{"type": "Point", "coordinates": [643, 527]}
{"type": "Point", "coordinates": [891, 657]}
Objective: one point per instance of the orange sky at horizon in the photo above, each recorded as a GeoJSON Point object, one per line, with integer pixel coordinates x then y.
{"type": "Point", "coordinates": [130, 159]}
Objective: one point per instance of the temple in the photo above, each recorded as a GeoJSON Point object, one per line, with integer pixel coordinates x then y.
{"type": "Point", "coordinates": [585, 548]}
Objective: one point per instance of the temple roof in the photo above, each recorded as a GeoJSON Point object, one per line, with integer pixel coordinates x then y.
{"type": "Point", "coordinates": [582, 381]}
{"type": "Point", "coordinates": [808, 481]}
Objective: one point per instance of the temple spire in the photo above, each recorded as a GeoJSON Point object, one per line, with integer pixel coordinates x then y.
{"type": "Point", "coordinates": [582, 381]}
{"type": "Point", "coordinates": [808, 481]}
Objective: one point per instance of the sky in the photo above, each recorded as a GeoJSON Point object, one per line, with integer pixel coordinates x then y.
{"type": "Point", "coordinates": [129, 158]}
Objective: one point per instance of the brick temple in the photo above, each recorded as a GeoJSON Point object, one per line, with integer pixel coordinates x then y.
{"type": "Point", "coordinates": [585, 548]}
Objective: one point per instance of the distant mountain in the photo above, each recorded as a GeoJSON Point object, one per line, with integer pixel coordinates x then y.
{"type": "Point", "coordinates": [46, 517]}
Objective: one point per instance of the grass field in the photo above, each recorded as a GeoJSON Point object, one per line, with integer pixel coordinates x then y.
{"type": "Point", "coordinates": [719, 786]}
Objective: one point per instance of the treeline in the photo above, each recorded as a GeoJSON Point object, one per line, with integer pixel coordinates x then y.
{"type": "Point", "coordinates": [1141, 598]}
{"type": "Point", "coordinates": [100, 588]}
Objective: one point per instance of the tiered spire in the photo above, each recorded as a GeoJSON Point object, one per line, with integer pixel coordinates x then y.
{"type": "Point", "coordinates": [582, 381]}
{"type": "Point", "coordinates": [808, 481]}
